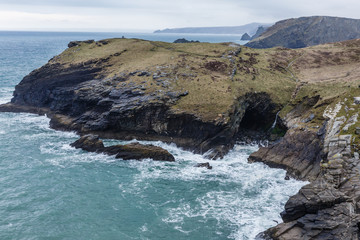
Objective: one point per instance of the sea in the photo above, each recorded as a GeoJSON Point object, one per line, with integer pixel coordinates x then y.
{"type": "Point", "coordinates": [49, 190]}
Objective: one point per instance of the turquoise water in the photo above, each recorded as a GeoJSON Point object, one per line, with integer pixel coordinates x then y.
{"type": "Point", "coordinates": [49, 190]}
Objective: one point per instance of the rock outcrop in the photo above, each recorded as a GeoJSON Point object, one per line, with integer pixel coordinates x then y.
{"type": "Point", "coordinates": [299, 152]}
{"type": "Point", "coordinates": [259, 31]}
{"type": "Point", "coordinates": [183, 40]}
{"type": "Point", "coordinates": [327, 208]}
{"type": "Point", "coordinates": [132, 151]}
{"type": "Point", "coordinates": [245, 37]}
{"type": "Point", "coordinates": [307, 31]}
{"type": "Point", "coordinates": [204, 165]}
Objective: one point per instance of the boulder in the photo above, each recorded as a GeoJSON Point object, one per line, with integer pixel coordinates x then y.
{"type": "Point", "coordinates": [90, 143]}
{"type": "Point", "coordinates": [205, 165]}
{"type": "Point", "coordinates": [132, 151]}
{"type": "Point", "coordinates": [138, 151]}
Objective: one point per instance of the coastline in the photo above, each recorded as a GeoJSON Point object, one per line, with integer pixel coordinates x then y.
{"type": "Point", "coordinates": [313, 148]}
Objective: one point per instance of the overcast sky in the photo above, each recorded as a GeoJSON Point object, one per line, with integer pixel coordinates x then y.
{"type": "Point", "coordinates": [149, 15]}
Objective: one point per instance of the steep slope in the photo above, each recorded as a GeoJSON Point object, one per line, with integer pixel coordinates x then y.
{"type": "Point", "coordinates": [307, 31]}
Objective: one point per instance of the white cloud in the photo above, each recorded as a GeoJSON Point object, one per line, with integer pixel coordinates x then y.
{"type": "Point", "coordinates": [158, 14]}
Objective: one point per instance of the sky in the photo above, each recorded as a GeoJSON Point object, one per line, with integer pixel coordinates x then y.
{"type": "Point", "coordinates": [150, 15]}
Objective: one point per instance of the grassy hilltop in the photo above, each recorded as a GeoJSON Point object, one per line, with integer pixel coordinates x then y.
{"type": "Point", "coordinates": [214, 75]}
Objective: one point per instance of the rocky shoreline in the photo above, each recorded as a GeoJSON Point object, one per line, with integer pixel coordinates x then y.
{"type": "Point", "coordinates": [181, 93]}
{"type": "Point", "coordinates": [327, 208]}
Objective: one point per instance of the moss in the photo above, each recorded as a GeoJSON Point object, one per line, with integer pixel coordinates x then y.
{"type": "Point", "coordinates": [278, 131]}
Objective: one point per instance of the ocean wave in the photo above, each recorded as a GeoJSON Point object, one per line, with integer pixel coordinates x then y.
{"type": "Point", "coordinates": [246, 198]}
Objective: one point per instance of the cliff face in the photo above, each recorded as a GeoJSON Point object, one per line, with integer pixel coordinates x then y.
{"type": "Point", "coordinates": [129, 88]}
{"type": "Point", "coordinates": [204, 97]}
{"type": "Point", "coordinates": [307, 31]}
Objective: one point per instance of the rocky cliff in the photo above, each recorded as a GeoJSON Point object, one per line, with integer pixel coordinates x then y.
{"type": "Point", "coordinates": [307, 31]}
{"type": "Point", "coordinates": [204, 97]}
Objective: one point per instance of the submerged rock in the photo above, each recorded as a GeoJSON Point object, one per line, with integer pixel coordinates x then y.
{"type": "Point", "coordinates": [205, 165]}
{"type": "Point", "coordinates": [132, 151]}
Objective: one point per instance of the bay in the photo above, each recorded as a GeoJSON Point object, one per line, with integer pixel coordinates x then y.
{"type": "Point", "coordinates": [49, 190]}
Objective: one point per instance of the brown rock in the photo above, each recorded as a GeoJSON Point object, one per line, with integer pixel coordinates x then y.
{"type": "Point", "coordinates": [205, 165]}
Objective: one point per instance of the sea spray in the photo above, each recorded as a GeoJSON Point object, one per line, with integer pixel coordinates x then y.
{"type": "Point", "coordinates": [132, 199]}
{"type": "Point", "coordinates": [51, 190]}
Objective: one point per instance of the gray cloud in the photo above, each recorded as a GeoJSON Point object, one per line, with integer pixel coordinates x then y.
{"type": "Point", "coordinates": [157, 14]}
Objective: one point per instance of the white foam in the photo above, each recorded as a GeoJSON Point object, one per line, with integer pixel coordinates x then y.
{"type": "Point", "coordinates": [248, 197]}
{"type": "Point", "coordinates": [251, 206]}
{"type": "Point", "coordinates": [5, 94]}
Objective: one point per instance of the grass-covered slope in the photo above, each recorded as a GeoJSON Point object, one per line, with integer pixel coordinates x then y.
{"type": "Point", "coordinates": [216, 74]}
{"type": "Point", "coordinates": [212, 74]}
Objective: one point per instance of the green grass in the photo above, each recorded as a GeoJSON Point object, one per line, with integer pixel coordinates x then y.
{"type": "Point", "coordinates": [213, 91]}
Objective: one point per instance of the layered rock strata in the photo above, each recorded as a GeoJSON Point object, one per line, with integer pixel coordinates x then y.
{"type": "Point", "coordinates": [327, 208]}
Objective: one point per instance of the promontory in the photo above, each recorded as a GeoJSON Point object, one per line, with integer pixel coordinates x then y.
{"type": "Point", "coordinates": [204, 97]}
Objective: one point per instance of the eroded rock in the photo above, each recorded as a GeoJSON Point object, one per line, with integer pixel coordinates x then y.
{"type": "Point", "coordinates": [132, 151]}
{"type": "Point", "coordinates": [204, 165]}
{"type": "Point", "coordinates": [299, 152]}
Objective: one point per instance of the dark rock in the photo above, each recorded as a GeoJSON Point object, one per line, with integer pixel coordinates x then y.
{"type": "Point", "coordinates": [310, 199]}
{"type": "Point", "coordinates": [357, 130]}
{"type": "Point", "coordinates": [183, 40]}
{"type": "Point", "coordinates": [144, 73]}
{"type": "Point", "coordinates": [77, 43]}
{"type": "Point", "coordinates": [245, 37]}
{"type": "Point", "coordinates": [339, 222]}
{"type": "Point", "coordinates": [259, 31]}
{"type": "Point", "coordinates": [298, 152]}
{"type": "Point", "coordinates": [90, 143]}
{"type": "Point", "coordinates": [138, 151]}
{"type": "Point", "coordinates": [205, 165]}
{"type": "Point", "coordinates": [133, 151]}
{"type": "Point", "coordinates": [103, 42]}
